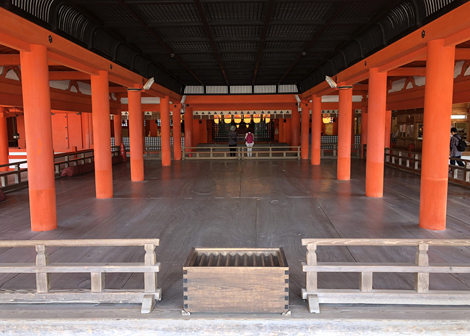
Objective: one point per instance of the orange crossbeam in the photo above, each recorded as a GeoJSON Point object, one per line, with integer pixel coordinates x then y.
{"type": "Point", "coordinates": [453, 27]}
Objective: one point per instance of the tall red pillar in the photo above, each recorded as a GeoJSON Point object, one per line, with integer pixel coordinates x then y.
{"type": "Point", "coordinates": [165, 117]}
{"type": "Point", "coordinates": [388, 128]}
{"type": "Point", "coordinates": [316, 130]}
{"type": "Point", "coordinates": [101, 135]}
{"type": "Point", "coordinates": [376, 131]}
{"type": "Point", "coordinates": [304, 134]}
{"type": "Point", "coordinates": [177, 133]}
{"type": "Point", "coordinates": [344, 134]}
{"type": "Point", "coordinates": [188, 127]}
{"type": "Point", "coordinates": [117, 130]}
{"type": "Point", "coordinates": [364, 122]}
{"type": "Point", "coordinates": [136, 135]}
{"type": "Point", "coordinates": [436, 126]}
{"type": "Point", "coordinates": [4, 149]}
{"type": "Point", "coordinates": [288, 132]}
{"type": "Point", "coordinates": [38, 129]}
{"type": "Point", "coordinates": [295, 127]}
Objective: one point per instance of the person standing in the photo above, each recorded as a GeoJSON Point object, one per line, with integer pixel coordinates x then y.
{"type": "Point", "coordinates": [232, 140]}
{"type": "Point", "coordinates": [456, 147]}
{"type": "Point", "coordinates": [249, 141]}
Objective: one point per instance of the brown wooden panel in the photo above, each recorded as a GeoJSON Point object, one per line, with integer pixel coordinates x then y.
{"type": "Point", "coordinates": [236, 289]}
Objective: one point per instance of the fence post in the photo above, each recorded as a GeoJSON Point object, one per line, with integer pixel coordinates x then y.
{"type": "Point", "coordinates": [43, 283]}
{"type": "Point", "coordinates": [150, 278]}
{"type": "Point", "coordinates": [422, 279]}
{"type": "Point", "coordinates": [311, 277]}
{"type": "Point", "coordinates": [416, 162]}
{"type": "Point", "coordinates": [18, 174]}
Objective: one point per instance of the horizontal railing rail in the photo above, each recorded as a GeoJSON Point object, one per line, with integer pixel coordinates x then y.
{"type": "Point", "coordinates": [61, 161]}
{"type": "Point", "coordinates": [241, 153]}
{"type": "Point", "coordinates": [411, 161]}
{"type": "Point", "coordinates": [98, 292]}
{"type": "Point", "coordinates": [366, 294]}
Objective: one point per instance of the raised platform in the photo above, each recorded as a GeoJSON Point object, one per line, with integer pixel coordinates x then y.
{"type": "Point", "coordinates": [234, 204]}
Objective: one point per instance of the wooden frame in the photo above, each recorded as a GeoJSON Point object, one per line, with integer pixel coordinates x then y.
{"type": "Point", "coordinates": [61, 161]}
{"type": "Point", "coordinates": [97, 293]}
{"type": "Point", "coordinates": [239, 280]}
{"type": "Point", "coordinates": [421, 295]}
{"type": "Point", "coordinates": [411, 162]}
{"type": "Point", "coordinates": [258, 153]}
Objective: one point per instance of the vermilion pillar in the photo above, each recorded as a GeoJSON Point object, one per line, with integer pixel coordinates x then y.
{"type": "Point", "coordinates": [165, 117]}
{"type": "Point", "coordinates": [177, 133]}
{"type": "Point", "coordinates": [136, 135]}
{"type": "Point", "coordinates": [376, 131]}
{"type": "Point", "coordinates": [305, 132]}
{"type": "Point", "coordinates": [364, 122]}
{"type": "Point", "coordinates": [316, 130]}
{"type": "Point", "coordinates": [288, 132]}
{"type": "Point", "coordinates": [344, 134]}
{"type": "Point", "coordinates": [101, 135]}
{"type": "Point", "coordinates": [117, 130]}
{"type": "Point", "coordinates": [295, 127]}
{"type": "Point", "coordinates": [388, 128]}
{"type": "Point", "coordinates": [38, 129]}
{"type": "Point", "coordinates": [437, 119]}
{"type": "Point", "coordinates": [4, 150]}
{"type": "Point", "coordinates": [188, 127]}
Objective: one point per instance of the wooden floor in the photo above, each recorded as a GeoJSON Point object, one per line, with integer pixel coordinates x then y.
{"type": "Point", "coordinates": [236, 204]}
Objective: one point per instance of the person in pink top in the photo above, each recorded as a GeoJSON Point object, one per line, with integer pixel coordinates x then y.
{"type": "Point", "coordinates": [250, 141]}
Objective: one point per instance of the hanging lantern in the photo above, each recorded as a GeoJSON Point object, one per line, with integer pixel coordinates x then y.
{"type": "Point", "coordinates": [216, 119]}
{"type": "Point", "coordinates": [238, 125]}
{"type": "Point", "coordinates": [237, 119]}
{"type": "Point", "coordinates": [228, 119]}
{"type": "Point", "coordinates": [247, 119]}
{"type": "Point", "coordinates": [267, 118]}
{"type": "Point", "coordinates": [256, 119]}
{"type": "Point", "coordinates": [326, 120]}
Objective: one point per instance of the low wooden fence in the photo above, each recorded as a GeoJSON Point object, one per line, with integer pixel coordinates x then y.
{"type": "Point", "coordinates": [97, 293]}
{"type": "Point", "coordinates": [61, 161]}
{"type": "Point", "coordinates": [241, 153]}
{"type": "Point", "coordinates": [420, 295]}
{"type": "Point", "coordinates": [411, 161]}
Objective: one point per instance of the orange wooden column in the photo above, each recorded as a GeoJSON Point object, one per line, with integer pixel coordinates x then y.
{"type": "Point", "coordinates": [177, 133]}
{"type": "Point", "coordinates": [117, 130]}
{"type": "Point", "coordinates": [304, 134]}
{"type": "Point", "coordinates": [364, 122]}
{"type": "Point", "coordinates": [295, 127]}
{"type": "Point", "coordinates": [437, 119]}
{"type": "Point", "coordinates": [316, 130]}
{"type": "Point", "coordinates": [288, 132]}
{"type": "Point", "coordinates": [376, 131]}
{"type": "Point", "coordinates": [4, 150]}
{"type": "Point", "coordinates": [38, 129]}
{"type": "Point", "coordinates": [102, 135]}
{"type": "Point", "coordinates": [136, 135]}
{"type": "Point", "coordinates": [165, 117]}
{"type": "Point", "coordinates": [188, 127]}
{"type": "Point", "coordinates": [344, 134]}
{"type": "Point", "coordinates": [388, 128]}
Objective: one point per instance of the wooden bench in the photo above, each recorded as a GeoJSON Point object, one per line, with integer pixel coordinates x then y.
{"type": "Point", "coordinates": [420, 295]}
{"type": "Point", "coordinates": [97, 293]}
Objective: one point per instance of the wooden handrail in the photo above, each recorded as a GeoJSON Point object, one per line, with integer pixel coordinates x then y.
{"type": "Point", "coordinates": [79, 242]}
{"type": "Point", "coordinates": [367, 295]}
{"type": "Point", "coordinates": [42, 268]}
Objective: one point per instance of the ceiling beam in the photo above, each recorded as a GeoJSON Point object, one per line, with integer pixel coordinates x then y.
{"type": "Point", "coordinates": [264, 33]}
{"type": "Point", "coordinates": [336, 11]}
{"type": "Point", "coordinates": [202, 16]}
{"type": "Point", "coordinates": [157, 38]}
{"type": "Point", "coordinates": [461, 54]}
{"type": "Point", "coordinates": [68, 75]}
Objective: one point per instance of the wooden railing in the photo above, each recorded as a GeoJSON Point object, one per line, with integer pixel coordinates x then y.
{"type": "Point", "coordinates": [241, 153]}
{"type": "Point", "coordinates": [61, 161]}
{"type": "Point", "coordinates": [411, 161]}
{"type": "Point", "coordinates": [420, 295]}
{"type": "Point", "coordinates": [97, 293]}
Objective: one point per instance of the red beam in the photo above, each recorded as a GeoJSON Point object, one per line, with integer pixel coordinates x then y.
{"type": "Point", "coordinates": [240, 99]}
{"type": "Point", "coordinates": [404, 72]}
{"type": "Point", "coordinates": [64, 75]}
{"type": "Point", "coordinates": [453, 27]}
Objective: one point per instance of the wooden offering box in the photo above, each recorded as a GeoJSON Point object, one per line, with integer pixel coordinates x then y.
{"type": "Point", "coordinates": [237, 280]}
